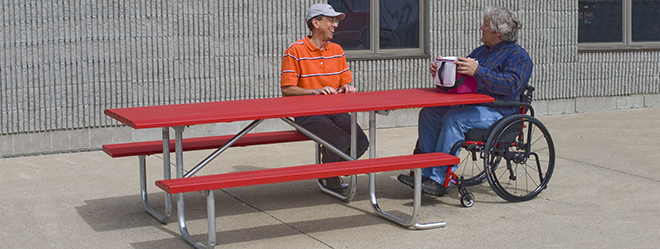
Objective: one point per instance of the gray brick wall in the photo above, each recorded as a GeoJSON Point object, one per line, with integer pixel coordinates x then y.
{"type": "Point", "coordinates": [65, 61]}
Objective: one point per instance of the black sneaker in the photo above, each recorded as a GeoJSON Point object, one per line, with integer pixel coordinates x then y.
{"type": "Point", "coordinates": [410, 180]}
{"type": "Point", "coordinates": [432, 187]}
{"type": "Point", "coordinates": [334, 184]}
{"type": "Point", "coordinates": [429, 186]}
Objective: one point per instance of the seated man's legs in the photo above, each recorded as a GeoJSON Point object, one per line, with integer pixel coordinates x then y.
{"type": "Point", "coordinates": [442, 127]}
{"type": "Point", "coordinates": [336, 130]}
{"type": "Point", "coordinates": [429, 127]}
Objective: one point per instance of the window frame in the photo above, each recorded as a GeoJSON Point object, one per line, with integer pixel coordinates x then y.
{"type": "Point", "coordinates": [627, 44]}
{"type": "Point", "coordinates": [376, 53]}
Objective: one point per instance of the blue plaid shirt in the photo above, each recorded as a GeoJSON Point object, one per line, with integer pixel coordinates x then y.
{"type": "Point", "coordinates": [503, 72]}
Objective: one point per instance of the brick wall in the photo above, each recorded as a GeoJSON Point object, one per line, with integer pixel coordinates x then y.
{"type": "Point", "coordinates": [64, 61]}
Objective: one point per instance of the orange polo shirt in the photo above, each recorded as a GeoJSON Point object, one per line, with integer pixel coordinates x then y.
{"type": "Point", "coordinates": [306, 66]}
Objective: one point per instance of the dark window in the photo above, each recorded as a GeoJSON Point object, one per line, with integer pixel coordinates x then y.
{"type": "Point", "coordinates": [399, 24]}
{"type": "Point", "coordinates": [622, 24]}
{"type": "Point", "coordinates": [600, 21]}
{"type": "Point", "coordinates": [645, 20]}
{"type": "Point", "coordinates": [352, 32]}
{"type": "Point", "coordinates": [398, 27]}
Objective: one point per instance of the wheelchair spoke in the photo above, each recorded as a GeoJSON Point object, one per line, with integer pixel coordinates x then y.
{"type": "Point", "coordinates": [515, 185]}
{"type": "Point", "coordinates": [471, 166]}
{"type": "Point", "coordinates": [530, 176]}
{"type": "Point", "coordinates": [537, 140]}
{"type": "Point", "coordinates": [528, 149]}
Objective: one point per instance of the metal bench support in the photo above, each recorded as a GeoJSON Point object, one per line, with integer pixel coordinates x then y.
{"type": "Point", "coordinates": [417, 202]}
{"type": "Point", "coordinates": [412, 222]}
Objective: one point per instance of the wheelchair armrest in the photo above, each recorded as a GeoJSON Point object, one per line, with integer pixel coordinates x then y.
{"type": "Point", "coordinates": [515, 104]}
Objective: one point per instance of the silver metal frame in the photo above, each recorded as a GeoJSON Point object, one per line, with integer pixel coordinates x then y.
{"type": "Point", "coordinates": [162, 218]}
{"type": "Point", "coordinates": [229, 143]}
{"type": "Point", "coordinates": [412, 222]}
{"type": "Point", "coordinates": [417, 196]}
{"type": "Point", "coordinates": [181, 218]}
{"type": "Point", "coordinates": [353, 179]}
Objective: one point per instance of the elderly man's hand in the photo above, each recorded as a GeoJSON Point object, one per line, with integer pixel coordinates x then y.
{"type": "Point", "coordinates": [433, 68]}
{"type": "Point", "coordinates": [467, 66]}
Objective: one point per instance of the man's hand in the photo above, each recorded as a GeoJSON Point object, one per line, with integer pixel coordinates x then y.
{"type": "Point", "coordinates": [329, 90]}
{"type": "Point", "coordinates": [346, 89]}
{"type": "Point", "coordinates": [467, 66]}
{"type": "Point", "coordinates": [433, 68]}
{"type": "Point", "coordinates": [326, 91]}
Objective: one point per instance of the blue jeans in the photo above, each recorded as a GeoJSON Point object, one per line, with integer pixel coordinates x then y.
{"type": "Point", "coordinates": [441, 127]}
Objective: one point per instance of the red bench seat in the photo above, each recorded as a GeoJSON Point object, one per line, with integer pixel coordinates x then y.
{"type": "Point", "coordinates": [296, 173]}
{"type": "Point", "coordinates": [202, 143]}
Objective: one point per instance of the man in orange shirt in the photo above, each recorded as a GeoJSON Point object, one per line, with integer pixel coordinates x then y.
{"type": "Point", "coordinates": [316, 66]}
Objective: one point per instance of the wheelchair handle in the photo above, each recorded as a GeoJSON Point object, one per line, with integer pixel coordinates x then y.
{"type": "Point", "coordinates": [515, 104]}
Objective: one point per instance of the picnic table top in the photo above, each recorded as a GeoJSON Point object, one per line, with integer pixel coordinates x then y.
{"type": "Point", "coordinates": [279, 107]}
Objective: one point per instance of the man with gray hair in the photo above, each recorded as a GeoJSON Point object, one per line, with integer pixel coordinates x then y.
{"type": "Point", "coordinates": [501, 67]}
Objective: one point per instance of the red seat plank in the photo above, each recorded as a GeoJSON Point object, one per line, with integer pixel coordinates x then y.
{"type": "Point", "coordinates": [202, 143]}
{"type": "Point", "coordinates": [296, 173]}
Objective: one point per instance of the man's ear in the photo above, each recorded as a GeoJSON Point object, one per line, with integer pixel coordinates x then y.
{"type": "Point", "coordinates": [315, 23]}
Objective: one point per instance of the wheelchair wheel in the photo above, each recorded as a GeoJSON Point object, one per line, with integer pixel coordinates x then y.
{"type": "Point", "coordinates": [467, 200]}
{"type": "Point", "coordinates": [471, 167]}
{"type": "Point", "coordinates": [519, 158]}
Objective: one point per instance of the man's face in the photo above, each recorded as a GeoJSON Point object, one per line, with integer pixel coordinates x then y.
{"type": "Point", "coordinates": [327, 26]}
{"type": "Point", "coordinates": [488, 37]}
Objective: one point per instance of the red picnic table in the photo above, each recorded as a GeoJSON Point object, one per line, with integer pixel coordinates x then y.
{"type": "Point", "coordinates": [179, 116]}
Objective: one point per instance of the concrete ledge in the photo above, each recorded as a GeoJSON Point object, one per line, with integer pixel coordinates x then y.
{"type": "Point", "coordinates": [630, 102]}
{"type": "Point", "coordinates": [554, 107]}
{"type": "Point", "coordinates": [592, 105]}
{"type": "Point", "coordinates": [6, 145]}
{"type": "Point", "coordinates": [30, 143]}
{"type": "Point", "coordinates": [595, 104]}
{"type": "Point", "coordinates": [652, 100]}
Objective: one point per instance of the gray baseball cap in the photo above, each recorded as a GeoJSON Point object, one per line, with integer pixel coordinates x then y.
{"type": "Point", "coordinates": [323, 9]}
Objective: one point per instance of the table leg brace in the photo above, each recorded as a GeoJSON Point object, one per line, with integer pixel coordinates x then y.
{"type": "Point", "coordinates": [145, 199]}
{"type": "Point", "coordinates": [210, 212]}
{"type": "Point", "coordinates": [412, 223]}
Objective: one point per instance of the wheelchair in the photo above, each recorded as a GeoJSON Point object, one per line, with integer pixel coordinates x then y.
{"type": "Point", "coordinates": [515, 155]}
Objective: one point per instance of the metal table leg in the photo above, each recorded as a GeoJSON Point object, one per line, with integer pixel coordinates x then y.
{"type": "Point", "coordinates": [181, 203]}
{"type": "Point", "coordinates": [162, 218]}
{"type": "Point", "coordinates": [412, 222]}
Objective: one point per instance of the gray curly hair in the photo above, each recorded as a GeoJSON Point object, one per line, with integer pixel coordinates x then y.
{"type": "Point", "coordinates": [504, 21]}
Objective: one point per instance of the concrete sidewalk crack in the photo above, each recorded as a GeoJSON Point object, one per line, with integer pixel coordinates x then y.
{"type": "Point", "coordinates": [609, 169]}
{"type": "Point", "coordinates": [275, 218]}
{"type": "Point", "coordinates": [261, 211]}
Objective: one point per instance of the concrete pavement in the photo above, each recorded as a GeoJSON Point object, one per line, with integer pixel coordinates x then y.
{"type": "Point", "coordinates": [603, 194]}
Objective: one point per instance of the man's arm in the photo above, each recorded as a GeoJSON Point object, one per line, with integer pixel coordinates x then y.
{"type": "Point", "coordinates": [295, 91]}
{"type": "Point", "coordinates": [507, 77]}
{"type": "Point", "coordinates": [289, 75]}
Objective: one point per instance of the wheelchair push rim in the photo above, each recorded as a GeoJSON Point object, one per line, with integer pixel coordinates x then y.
{"type": "Point", "coordinates": [519, 158]}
